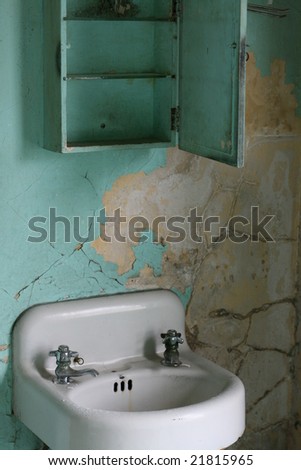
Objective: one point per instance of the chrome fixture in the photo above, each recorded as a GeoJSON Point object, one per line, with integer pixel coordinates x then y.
{"type": "Point", "coordinates": [63, 370]}
{"type": "Point", "coordinates": [171, 339]}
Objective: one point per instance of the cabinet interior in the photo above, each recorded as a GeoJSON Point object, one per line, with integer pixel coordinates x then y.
{"type": "Point", "coordinates": [148, 73]}
{"type": "Point", "coordinates": [119, 72]}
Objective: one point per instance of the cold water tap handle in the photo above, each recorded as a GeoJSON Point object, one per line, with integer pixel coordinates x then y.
{"type": "Point", "coordinates": [63, 354]}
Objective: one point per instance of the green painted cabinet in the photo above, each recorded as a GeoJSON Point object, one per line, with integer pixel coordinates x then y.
{"type": "Point", "coordinates": [148, 73]}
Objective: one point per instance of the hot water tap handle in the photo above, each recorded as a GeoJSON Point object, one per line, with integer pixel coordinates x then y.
{"type": "Point", "coordinates": [63, 354]}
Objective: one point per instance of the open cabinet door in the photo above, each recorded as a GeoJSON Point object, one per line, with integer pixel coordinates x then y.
{"type": "Point", "coordinates": [212, 79]}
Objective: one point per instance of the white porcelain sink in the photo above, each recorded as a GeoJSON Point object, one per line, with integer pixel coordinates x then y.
{"type": "Point", "coordinates": [135, 402]}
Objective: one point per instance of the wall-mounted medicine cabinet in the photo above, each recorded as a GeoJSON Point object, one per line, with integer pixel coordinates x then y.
{"type": "Point", "coordinates": [148, 73]}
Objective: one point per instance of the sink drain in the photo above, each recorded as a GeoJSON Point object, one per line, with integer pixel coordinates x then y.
{"type": "Point", "coordinates": [123, 385]}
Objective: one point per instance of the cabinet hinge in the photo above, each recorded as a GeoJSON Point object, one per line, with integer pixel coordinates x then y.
{"type": "Point", "coordinates": [175, 119]}
{"type": "Point", "coordinates": [176, 9]}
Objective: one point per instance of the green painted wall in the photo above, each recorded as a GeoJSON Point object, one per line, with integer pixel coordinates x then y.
{"type": "Point", "coordinates": [32, 180]}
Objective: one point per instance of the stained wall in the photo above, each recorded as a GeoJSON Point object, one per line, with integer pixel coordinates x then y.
{"type": "Point", "coordinates": [241, 296]}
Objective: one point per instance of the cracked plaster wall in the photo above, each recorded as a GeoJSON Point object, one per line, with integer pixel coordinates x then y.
{"type": "Point", "coordinates": [242, 304]}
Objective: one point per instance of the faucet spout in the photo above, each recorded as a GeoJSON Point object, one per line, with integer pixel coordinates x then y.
{"type": "Point", "coordinates": [63, 374]}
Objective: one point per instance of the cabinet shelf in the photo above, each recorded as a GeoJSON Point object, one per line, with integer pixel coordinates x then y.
{"type": "Point", "coordinates": [117, 76]}
{"type": "Point", "coordinates": [116, 18]}
{"type": "Point", "coordinates": [152, 142]}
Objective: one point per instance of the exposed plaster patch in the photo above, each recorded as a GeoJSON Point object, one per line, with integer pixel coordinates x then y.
{"type": "Point", "coordinates": [166, 192]}
{"type": "Point", "coordinates": [145, 280]}
{"type": "Point", "coordinates": [4, 347]}
{"type": "Point", "coordinates": [121, 254]}
{"type": "Point", "coordinates": [270, 102]}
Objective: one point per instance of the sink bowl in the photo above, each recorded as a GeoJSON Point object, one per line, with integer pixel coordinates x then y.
{"type": "Point", "coordinates": [146, 390]}
{"type": "Point", "coordinates": [135, 402]}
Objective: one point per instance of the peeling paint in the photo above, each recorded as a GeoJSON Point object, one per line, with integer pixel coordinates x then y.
{"type": "Point", "coordinates": [271, 103]}
{"type": "Point", "coordinates": [146, 195]}
{"type": "Point", "coordinates": [121, 254]}
{"type": "Point", "coordinates": [241, 299]}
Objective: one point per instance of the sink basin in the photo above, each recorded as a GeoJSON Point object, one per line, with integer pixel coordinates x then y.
{"type": "Point", "coordinates": [141, 390]}
{"type": "Point", "coordinates": [135, 402]}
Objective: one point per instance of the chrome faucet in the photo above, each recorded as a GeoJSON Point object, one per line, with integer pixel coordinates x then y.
{"type": "Point", "coordinates": [63, 370]}
{"type": "Point", "coordinates": [171, 339]}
